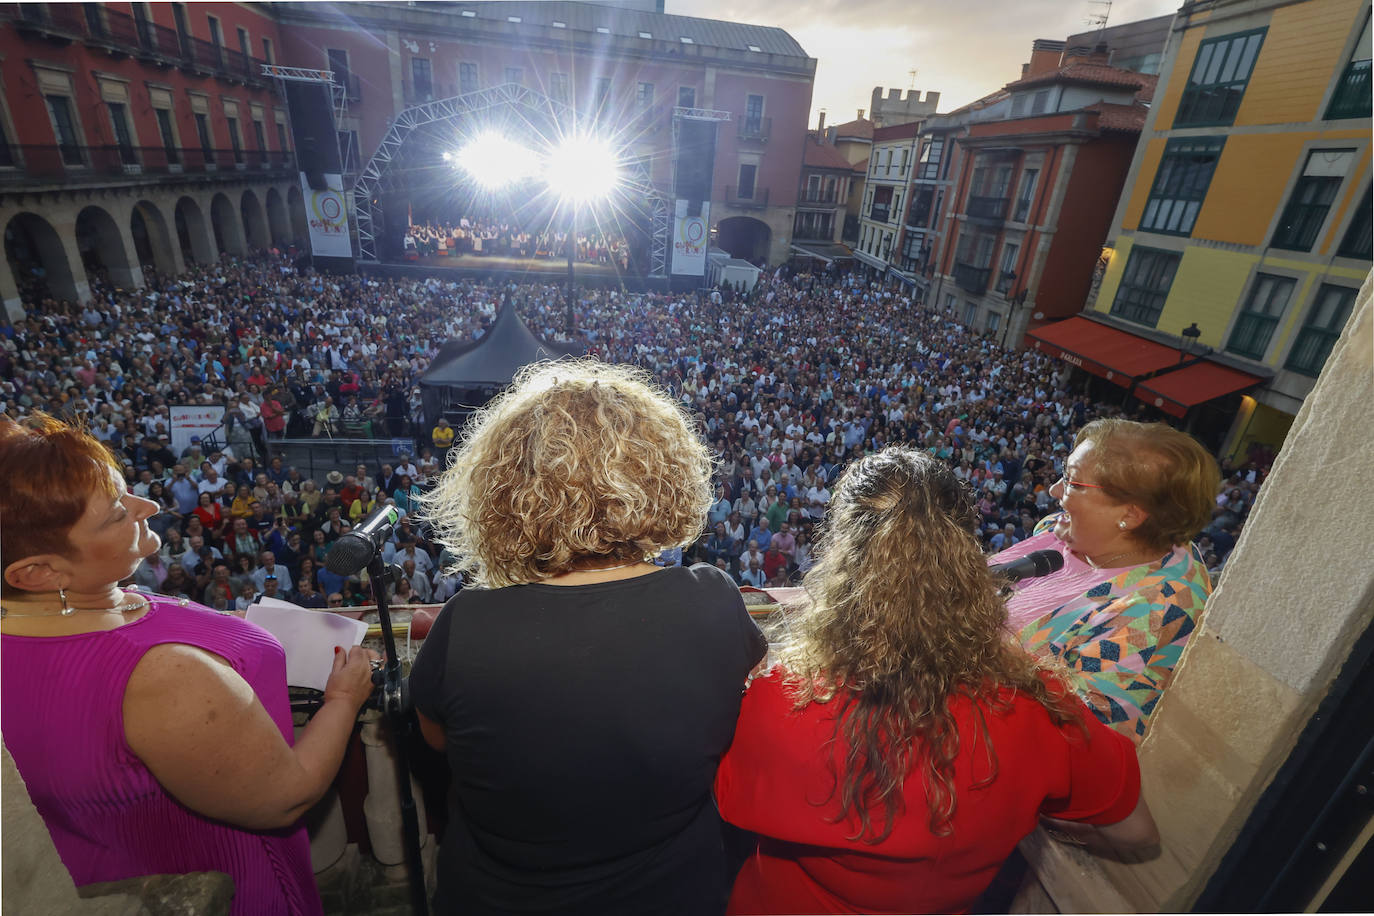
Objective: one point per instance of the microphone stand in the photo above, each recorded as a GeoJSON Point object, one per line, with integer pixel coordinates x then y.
{"type": "Point", "coordinates": [395, 705]}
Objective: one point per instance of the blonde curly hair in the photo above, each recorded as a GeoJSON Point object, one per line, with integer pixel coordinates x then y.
{"type": "Point", "coordinates": [904, 617]}
{"type": "Point", "coordinates": [576, 464]}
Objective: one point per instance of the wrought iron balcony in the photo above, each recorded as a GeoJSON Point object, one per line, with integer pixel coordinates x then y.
{"type": "Point", "coordinates": [119, 33]}
{"type": "Point", "coordinates": [987, 207]}
{"type": "Point", "coordinates": [821, 196]}
{"type": "Point", "coordinates": [971, 279]}
{"type": "Point", "coordinates": [69, 164]}
{"type": "Point", "coordinates": [758, 199]}
{"type": "Point", "coordinates": [880, 213]}
{"type": "Point", "coordinates": [755, 128]}
{"type": "Point", "coordinates": [1352, 96]}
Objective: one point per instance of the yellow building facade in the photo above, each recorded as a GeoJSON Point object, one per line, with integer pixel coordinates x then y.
{"type": "Point", "coordinates": [1246, 214]}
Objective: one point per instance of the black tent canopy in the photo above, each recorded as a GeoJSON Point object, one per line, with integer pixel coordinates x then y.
{"type": "Point", "coordinates": [466, 372]}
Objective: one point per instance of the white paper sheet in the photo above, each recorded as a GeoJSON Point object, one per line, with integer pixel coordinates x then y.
{"type": "Point", "coordinates": [308, 636]}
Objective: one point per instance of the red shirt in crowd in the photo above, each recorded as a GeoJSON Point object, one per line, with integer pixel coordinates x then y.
{"type": "Point", "coordinates": [778, 780]}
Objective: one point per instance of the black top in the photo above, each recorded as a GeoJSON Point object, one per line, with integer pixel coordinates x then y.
{"type": "Point", "coordinates": [584, 724]}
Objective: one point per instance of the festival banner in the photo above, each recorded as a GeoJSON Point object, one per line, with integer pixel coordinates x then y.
{"type": "Point", "coordinates": [193, 420]}
{"type": "Point", "coordinates": [691, 237]}
{"type": "Point", "coordinates": [327, 215]}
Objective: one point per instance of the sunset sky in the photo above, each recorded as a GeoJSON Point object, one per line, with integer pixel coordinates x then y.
{"type": "Point", "coordinates": [963, 50]}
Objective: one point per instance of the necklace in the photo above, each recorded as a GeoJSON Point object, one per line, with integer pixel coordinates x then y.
{"type": "Point", "coordinates": [607, 568]}
{"type": "Point", "coordinates": [142, 602]}
{"type": "Point", "coordinates": [1107, 563]}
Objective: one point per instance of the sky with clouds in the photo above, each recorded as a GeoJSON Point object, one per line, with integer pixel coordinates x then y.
{"type": "Point", "coordinates": [962, 49]}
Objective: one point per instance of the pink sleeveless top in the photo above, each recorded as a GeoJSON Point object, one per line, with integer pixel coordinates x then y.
{"type": "Point", "coordinates": [63, 722]}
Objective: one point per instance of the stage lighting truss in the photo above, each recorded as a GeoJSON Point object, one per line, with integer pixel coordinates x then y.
{"type": "Point", "coordinates": [580, 168]}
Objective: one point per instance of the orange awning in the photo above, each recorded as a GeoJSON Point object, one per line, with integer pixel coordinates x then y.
{"type": "Point", "coordinates": [1118, 356]}
{"type": "Point", "coordinates": [1175, 392]}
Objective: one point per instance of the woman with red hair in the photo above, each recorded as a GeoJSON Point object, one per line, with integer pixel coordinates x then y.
{"type": "Point", "coordinates": [167, 746]}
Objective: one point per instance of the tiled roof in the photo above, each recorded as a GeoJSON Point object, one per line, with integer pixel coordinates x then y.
{"type": "Point", "coordinates": [861, 128]}
{"type": "Point", "coordinates": [1084, 74]}
{"type": "Point", "coordinates": [823, 155]}
{"type": "Point", "coordinates": [1147, 91]}
{"type": "Point", "coordinates": [1112, 116]}
{"type": "Point", "coordinates": [861, 166]}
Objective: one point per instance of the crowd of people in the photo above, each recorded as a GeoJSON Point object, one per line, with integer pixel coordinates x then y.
{"type": "Point", "coordinates": [825, 429]}
{"type": "Point", "coordinates": [788, 385]}
{"type": "Point", "coordinates": [473, 236]}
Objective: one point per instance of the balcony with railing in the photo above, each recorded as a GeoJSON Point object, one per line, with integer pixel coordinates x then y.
{"type": "Point", "coordinates": [70, 164]}
{"type": "Point", "coordinates": [880, 213]}
{"type": "Point", "coordinates": [758, 198]}
{"type": "Point", "coordinates": [121, 34]}
{"type": "Point", "coordinates": [993, 208]}
{"type": "Point", "coordinates": [755, 128]}
{"type": "Point", "coordinates": [1352, 96]}
{"type": "Point", "coordinates": [820, 197]}
{"type": "Point", "coordinates": [971, 279]}
{"type": "Point", "coordinates": [806, 232]}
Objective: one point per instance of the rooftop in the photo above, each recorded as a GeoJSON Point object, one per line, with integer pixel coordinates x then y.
{"type": "Point", "coordinates": [1111, 116]}
{"type": "Point", "coordinates": [1085, 74]}
{"type": "Point", "coordinates": [823, 155]}
{"type": "Point", "coordinates": [897, 131]}
{"type": "Point", "coordinates": [860, 128]}
{"type": "Point", "coordinates": [606, 20]}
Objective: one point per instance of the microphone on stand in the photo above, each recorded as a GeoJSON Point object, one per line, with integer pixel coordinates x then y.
{"type": "Point", "coordinates": [1033, 565]}
{"type": "Point", "coordinates": [359, 546]}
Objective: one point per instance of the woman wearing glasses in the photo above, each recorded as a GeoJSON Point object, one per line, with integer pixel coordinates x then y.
{"type": "Point", "coordinates": [1132, 498]}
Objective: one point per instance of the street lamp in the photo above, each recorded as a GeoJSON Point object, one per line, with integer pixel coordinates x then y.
{"type": "Point", "coordinates": [1187, 338]}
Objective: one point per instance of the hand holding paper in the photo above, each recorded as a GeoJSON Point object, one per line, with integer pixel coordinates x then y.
{"type": "Point", "coordinates": [308, 636]}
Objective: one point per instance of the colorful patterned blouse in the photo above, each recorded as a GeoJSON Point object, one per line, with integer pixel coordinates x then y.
{"type": "Point", "coordinates": [1121, 640]}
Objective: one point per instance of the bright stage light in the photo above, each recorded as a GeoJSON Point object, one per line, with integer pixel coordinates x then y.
{"type": "Point", "coordinates": [582, 169]}
{"type": "Point", "coordinates": [494, 161]}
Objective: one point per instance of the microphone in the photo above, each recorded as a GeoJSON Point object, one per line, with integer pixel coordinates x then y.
{"type": "Point", "coordinates": [358, 547]}
{"type": "Point", "coordinates": [1033, 565]}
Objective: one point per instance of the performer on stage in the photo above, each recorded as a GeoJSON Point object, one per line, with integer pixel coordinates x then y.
{"type": "Point", "coordinates": [900, 746]}
{"type": "Point", "coordinates": [1133, 497]}
{"type": "Point", "coordinates": [154, 735]}
{"type": "Point", "coordinates": [582, 694]}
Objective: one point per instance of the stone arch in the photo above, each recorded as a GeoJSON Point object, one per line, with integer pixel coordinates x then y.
{"type": "Point", "coordinates": [38, 260]}
{"type": "Point", "coordinates": [744, 237]}
{"type": "Point", "coordinates": [224, 220]}
{"type": "Point", "coordinates": [278, 220]}
{"type": "Point", "coordinates": [300, 226]}
{"type": "Point", "coordinates": [153, 239]}
{"type": "Point", "coordinates": [102, 249]}
{"type": "Point", "coordinates": [193, 235]}
{"type": "Point", "coordinates": [254, 221]}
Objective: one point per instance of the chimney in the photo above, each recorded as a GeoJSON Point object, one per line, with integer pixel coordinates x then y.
{"type": "Point", "coordinates": [830, 135]}
{"type": "Point", "coordinates": [820, 127]}
{"type": "Point", "coordinates": [1046, 56]}
{"type": "Point", "coordinates": [861, 114]}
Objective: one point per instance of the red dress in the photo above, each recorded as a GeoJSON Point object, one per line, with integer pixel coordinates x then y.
{"type": "Point", "coordinates": [777, 781]}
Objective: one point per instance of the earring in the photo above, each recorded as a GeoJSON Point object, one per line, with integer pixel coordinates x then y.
{"type": "Point", "coordinates": [1121, 524]}
{"type": "Point", "coordinates": [66, 608]}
